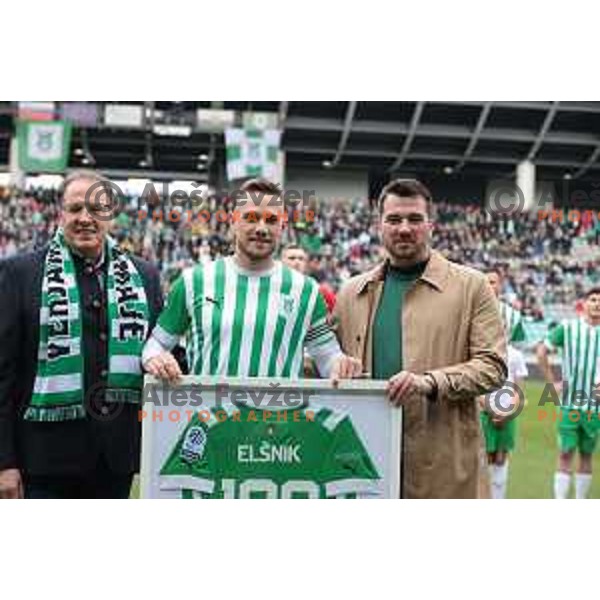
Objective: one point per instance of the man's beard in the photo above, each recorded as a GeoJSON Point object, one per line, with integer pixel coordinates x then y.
{"type": "Point", "coordinates": [251, 251]}
{"type": "Point", "coordinates": [408, 251]}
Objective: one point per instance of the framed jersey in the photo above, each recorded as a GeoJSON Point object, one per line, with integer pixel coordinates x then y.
{"type": "Point", "coordinates": [269, 438]}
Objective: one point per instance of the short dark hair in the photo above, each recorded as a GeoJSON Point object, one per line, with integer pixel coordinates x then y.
{"type": "Point", "coordinates": [496, 270]}
{"type": "Point", "coordinates": [293, 247]}
{"type": "Point", "coordinates": [591, 291]}
{"type": "Point", "coordinates": [405, 188]}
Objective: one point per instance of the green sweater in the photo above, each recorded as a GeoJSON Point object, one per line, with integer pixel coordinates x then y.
{"type": "Point", "coordinates": [387, 327]}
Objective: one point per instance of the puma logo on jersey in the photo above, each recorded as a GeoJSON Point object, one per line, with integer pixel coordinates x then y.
{"type": "Point", "coordinates": [268, 453]}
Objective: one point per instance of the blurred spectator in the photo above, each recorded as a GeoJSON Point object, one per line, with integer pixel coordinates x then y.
{"type": "Point", "coordinates": [545, 262]}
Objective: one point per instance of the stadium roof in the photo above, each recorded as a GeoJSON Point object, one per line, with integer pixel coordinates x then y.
{"type": "Point", "coordinates": [477, 138]}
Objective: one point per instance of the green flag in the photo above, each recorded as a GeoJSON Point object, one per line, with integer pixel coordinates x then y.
{"type": "Point", "coordinates": [253, 153]}
{"type": "Point", "coordinates": [44, 146]}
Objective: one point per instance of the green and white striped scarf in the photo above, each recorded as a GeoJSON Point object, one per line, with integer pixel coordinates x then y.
{"type": "Point", "coordinates": [58, 393]}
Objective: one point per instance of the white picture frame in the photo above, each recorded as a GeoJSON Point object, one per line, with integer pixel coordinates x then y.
{"type": "Point", "coordinates": [377, 423]}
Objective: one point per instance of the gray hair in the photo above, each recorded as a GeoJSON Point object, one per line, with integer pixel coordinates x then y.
{"type": "Point", "coordinates": [78, 174]}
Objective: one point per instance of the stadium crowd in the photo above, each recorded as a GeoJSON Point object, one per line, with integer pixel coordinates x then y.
{"type": "Point", "coordinates": [545, 262]}
{"type": "Point", "coordinates": [539, 263]}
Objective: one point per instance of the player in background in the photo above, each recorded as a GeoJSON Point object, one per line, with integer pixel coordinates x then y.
{"type": "Point", "coordinates": [314, 270]}
{"type": "Point", "coordinates": [296, 258]}
{"type": "Point", "coordinates": [498, 408]}
{"type": "Point", "coordinates": [499, 423]}
{"type": "Point", "coordinates": [248, 315]}
{"type": "Point", "coordinates": [512, 318]}
{"type": "Point", "coordinates": [578, 341]}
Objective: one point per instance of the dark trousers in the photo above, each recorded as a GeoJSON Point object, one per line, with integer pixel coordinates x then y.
{"type": "Point", "coordinates": [101, 483]}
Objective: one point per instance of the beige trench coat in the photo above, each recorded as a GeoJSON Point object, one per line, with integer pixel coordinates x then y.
{"type": "Point", "coordinates": [451, 328]}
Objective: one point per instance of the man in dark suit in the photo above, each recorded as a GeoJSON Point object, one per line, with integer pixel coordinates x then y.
{"type": "Point", "coordinates": [81, 441]}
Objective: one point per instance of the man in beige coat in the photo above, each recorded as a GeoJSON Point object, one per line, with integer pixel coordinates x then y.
{"type": "Point", "coordinates": [432, 328]}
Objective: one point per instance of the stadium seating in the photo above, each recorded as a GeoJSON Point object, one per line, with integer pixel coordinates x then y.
{"type": "Point", "coordinates": [547, 264]}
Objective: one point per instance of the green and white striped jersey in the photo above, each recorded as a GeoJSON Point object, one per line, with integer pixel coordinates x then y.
{"type": "Point", "coordinates": [579, 343]}
{"type": "Point", "coordinates": [513, 323]}
{"type": "Point", "coordinates": [244, 324]}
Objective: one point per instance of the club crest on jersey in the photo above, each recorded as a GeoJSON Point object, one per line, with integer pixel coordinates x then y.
{"type": "Point", "coordinates": [194, 443]}
{"type": "Point", "coordinates": [287, 305]}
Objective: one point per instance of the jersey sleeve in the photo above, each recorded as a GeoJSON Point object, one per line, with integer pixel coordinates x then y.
{"type": "Point", "coordinates": [518, 332]}
{"type": "Point", "coordinates": [320, 341]}
{"type": "Point", "coordinates": [556, 337]}
{"type": "Point", "coordinates": [347, 466]}
{"type": "Point", "coordinates": [174, 320]}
